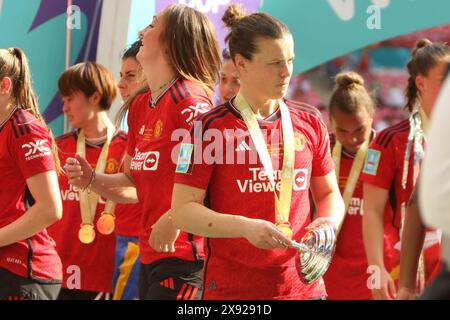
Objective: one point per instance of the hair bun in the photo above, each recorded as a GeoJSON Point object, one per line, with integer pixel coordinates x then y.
{"type": "Point", "coordinates": [345, 80]}
{"type": "Point", "coordinates": [422, 43]}
{"type": "Point", "coordinates": [233, 15]}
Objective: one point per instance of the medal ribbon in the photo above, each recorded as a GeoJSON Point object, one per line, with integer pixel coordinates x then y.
{"type": "Point", "coordinates": [283, 202]}
{"type": "Point", "coordinates": [416, 138]}
{"type": "Point", "coordinates": [89, 200]}
{"type": "Point", "coordinates": [355, 171]}
{"type": "Point", "coordinates": [110, 207]}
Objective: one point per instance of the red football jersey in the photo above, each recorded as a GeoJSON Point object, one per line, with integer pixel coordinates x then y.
{"type": "Point", "coordinates": [25, 152]}
{"type": "Point", "coordinates": [384, 166]}
{"type": "Point", "coordinates": [384, 169]}
{"type": "Point", "coordinates": [128, 216]}
{"type": "Point", "coordinates": [153, 149]}
{"type": "Point", "coordinates": [234, 268]}
{"type": "Point", "coordinates": [86, 267]}
{"type": "Point", "coordinates": [346, 278]}
{"type": "Point", "coordinates": [128, 219]}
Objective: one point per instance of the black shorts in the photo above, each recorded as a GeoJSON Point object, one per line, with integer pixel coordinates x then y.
{"type": "Point", "coordinates": [67, 294]}
{"type": "Point", "coordinates": [171, 279]}
{"type": "Point", "coordinates": [14, 287]}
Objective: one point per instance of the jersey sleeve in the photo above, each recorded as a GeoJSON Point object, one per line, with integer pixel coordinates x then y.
{"type": "Point", "coordinates": [190, 109]}
{"type": "Point", "coordinates": [192, 168]}
{"type": "Point", "coordinates": [322, 162]}
{"type": "Point", "coordinates": [379, 168]}
{"type": "Point", "coordinates": [32, 148]}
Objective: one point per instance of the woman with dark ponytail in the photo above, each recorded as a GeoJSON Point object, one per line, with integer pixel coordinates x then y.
{"type": "Point", "coordinates": [391, 170]}
{"type": "Point", "coordinates": [234, 204]}
{"type": "Point", "coordinates": [30, 267]}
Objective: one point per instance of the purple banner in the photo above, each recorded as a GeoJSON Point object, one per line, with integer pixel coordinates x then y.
{"type": "Point", "coordinates": [214, 9]}
{"type": "Point", "coordinates": [92, 9]}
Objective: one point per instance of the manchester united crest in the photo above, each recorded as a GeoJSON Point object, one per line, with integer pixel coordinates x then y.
{"type": "Point", "coordinates": [299, 141]}
{"type": "Point", "coordinates": [112, 166]}
{"type": "Point", "coordinates": [159, 126]}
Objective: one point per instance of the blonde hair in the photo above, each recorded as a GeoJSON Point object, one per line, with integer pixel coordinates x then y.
{"type": "Point", "coordinates": [14, 64]}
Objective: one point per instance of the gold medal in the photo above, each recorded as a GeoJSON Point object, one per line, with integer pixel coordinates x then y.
{"type": "Point", "coordinates": [284, 227]}
{"type": "Point", "coordinates": [86, 233]}
{"type": "Point", "coordinates": [89, 200]}
{"type": "Point", "coordinates": [283, 201]}
{"type": "Point", "coordinates": [106, 224]}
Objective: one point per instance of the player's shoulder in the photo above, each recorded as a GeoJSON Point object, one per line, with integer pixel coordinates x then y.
{"type": "Point", "coordinates": [24, 123]}
{"type": "Point", "coordinates": [304, 110]}
{"type": "Point", "coordinates": [120, 136]}
{"type": "Point", "coordinates": [69, 137]}
{"type": "Point", "coordinates": [141, 99]}
{"type": "Point", "coordinates": [392, 134]}
{"type": "Point", "coordinates": [139, 103]}
{"type": "Point", "coordinates": [219, 116]}
{"type": "Point", "coordinates": [183, 92]}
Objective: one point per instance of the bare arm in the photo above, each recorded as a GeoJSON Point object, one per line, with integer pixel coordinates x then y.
{"type": "Point", "coordinates": [413, 238]}
{"type": "Point", "coordinates": [190, 215]}
{"type": "Point", "coordinates": [373, 235]}
{"type": "Point", "coordinates": [328, 199]}
{"type": "Point", "coordinates": [46, 210]}
{"type": "Point", "coordinates": [118, 187]}
{"type": "Point", "coordinates": [373, 226]}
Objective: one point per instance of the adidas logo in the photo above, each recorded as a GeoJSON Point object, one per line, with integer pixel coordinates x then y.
{"type": "Point", "coordinates": [243, 147]}
{"type": "Point", "coordinates": [168, 283]}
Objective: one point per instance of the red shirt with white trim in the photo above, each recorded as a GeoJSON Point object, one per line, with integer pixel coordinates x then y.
{"type": "Point", "coordinates": [25, 151]}
{"type": "Point", "coordinates": [384, 169]}
{"type": "Point", "coordinates": [234, 268]}
{"type": "Point", "coordinates": [87, 267]}
{"type": "Point", "coordinates": [153, 138]}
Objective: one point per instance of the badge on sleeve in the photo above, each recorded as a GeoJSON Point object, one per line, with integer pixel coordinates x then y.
{"type": "Point", "coordinates": [184, 158]}
{"type": "Point", "coordinates": [372, 161]}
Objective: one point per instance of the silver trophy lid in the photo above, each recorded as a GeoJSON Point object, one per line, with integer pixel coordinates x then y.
{"type": "Point", "coordinates": [314, 252]}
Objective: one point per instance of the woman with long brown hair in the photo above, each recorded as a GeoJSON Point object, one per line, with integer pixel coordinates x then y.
{"type": "Point", "coordinates": [392, 168]}
{"type": "Point", "coordinates": [30, 267]}
{"type": "Point", "coordinates": [180, 59]}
